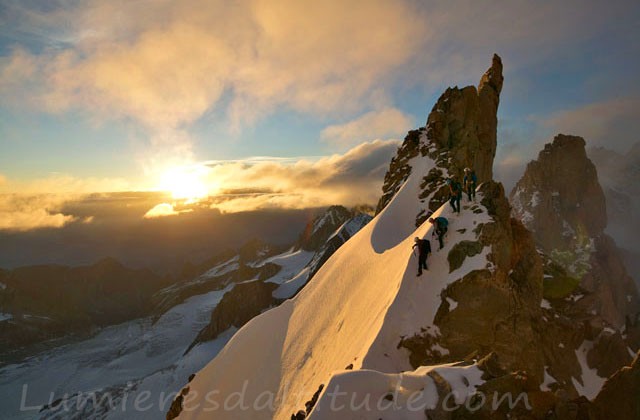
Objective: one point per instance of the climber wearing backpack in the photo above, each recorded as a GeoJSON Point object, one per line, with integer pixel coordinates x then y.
{"type": "Point", "coordinates": [440, 228]}
{"type": "Point", "coordinates": [424, 249]}
{"type": "Point", "coordinates": [455, 194]}
{"type": "Point", "coordinates": [470, 180]}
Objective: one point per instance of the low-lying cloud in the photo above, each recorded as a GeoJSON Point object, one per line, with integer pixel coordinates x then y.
{"type": "Point", "coordinates": [352, 178]}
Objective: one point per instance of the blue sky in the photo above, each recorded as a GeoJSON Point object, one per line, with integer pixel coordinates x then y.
{"type": "Point", "coordinates": [108, 94]}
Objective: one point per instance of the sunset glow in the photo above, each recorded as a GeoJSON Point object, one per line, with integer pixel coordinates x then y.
{"type": "Point", "coordinates": [185, 183]}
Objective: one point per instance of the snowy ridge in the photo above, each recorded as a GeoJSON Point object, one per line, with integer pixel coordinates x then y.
{"type": "Point", "coordinates": [404, 395]}
{"type": "Point", "coordinates": [352, 312]}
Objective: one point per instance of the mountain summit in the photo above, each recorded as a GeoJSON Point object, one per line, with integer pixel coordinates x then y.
{"type": "Point", "coordinates": [475, 326]}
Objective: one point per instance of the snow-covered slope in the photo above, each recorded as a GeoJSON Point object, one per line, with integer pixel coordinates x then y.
{"type": "Point", "coordinates": [104, 376]}
{"type": "Point", "coordinates": [122, 361]}
{"type": "Point", "coordinates": [352, 312]}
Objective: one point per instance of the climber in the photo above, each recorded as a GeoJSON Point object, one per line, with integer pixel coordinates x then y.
{"type": "Point", "coordinates": [440, 228]}
{"type": "Point", "coordinates": [470, 180]}
{"type": "Point", "coordinates": [455, 194]}
{"type": "Point", "coordinates": [424, 249]}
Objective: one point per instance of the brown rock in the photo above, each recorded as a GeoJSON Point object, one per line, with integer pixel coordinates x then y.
{"type": "Point", "coordinates": [618, 398]}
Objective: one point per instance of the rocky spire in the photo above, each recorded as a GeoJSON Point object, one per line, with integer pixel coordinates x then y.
{"type": "Point", "coordinates": [561, 201]}
{"type": "Point", "coordinates": [559, 197]}
{"type": "Point", "coordinates": [460, 132]}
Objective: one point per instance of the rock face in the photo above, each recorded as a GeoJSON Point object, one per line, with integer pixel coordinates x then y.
{"type": "Point", "coordinates": [237, 307]}
{"type": "Point", "coordinates": [619, 396]}
{"type": "Point", "coordinates": [561, 201]}
{"type": "Point", "coordinates": [461, 130]}
{"type": "Point", "coordinates": [561, 189]}
{"type": "Point", "coordinates": [497, 308]}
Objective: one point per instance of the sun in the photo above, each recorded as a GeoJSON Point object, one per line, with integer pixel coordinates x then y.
{"type": "Point", "coordinates": [185, 182]}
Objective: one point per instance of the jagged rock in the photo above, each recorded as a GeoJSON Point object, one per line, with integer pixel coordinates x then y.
{"type": "Point", "coordinates": [608, 352]}
{"type": "Point", "coordinates": [464, 122]}
{"type": "Point", "coordinates": [176, 405]}
{"type": "Point", "coordinates": [462, 250]}
{"type": "Point", "coordinates": [560, 200]}
{"type": "Point", "coordinates": [559, 197]}
{"type": "Point", "coordinates": [498, 306]}
{"type": "Point", "coordinates": [460, 132]}
{"type": "Point", "coordinates": [237, 307]}
{"type": "Point", "coordinates": [317, 232]}
{"type": "Point", "coordinates": [331, 244]}
{"type": "Point", "coordinates": [618, 398]}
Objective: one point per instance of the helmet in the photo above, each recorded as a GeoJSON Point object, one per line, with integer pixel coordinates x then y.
{"type": "Point", "coordinates": [467, 169]}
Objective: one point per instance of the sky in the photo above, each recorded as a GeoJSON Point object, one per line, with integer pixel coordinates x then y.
{"type": "Point", "coordinates": [305, 101]}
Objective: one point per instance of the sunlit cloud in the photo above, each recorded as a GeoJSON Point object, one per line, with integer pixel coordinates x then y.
{"type": "Point", "coordinates": [385, 123]}
{"type": "Point", "coordinates": [26, 212]}
{"type": "Point", "coordinates": [164, 210]}
{"type": "Point", "coordinates": [354, 177]}
{"type": "Point", "coordinates": [38, 203]}
{"type": "Point", "coordinates": [174, 64]}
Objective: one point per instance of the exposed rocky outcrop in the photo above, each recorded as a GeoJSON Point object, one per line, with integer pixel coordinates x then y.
{"type": "Point", "coordinates": [561, 201]}
{"type": "Point", "coordinates": [318, 231]}
{"type": "Point", "coordinates": [497, 308]}
{"type": "Point", "coordinates": [237, 307]}
{"type": "Point", "coordinates": [460, 132]}
{"type": "Point", "coordinates": [619, 396]}
{"type": "Point", "coordinates": [561, 189]}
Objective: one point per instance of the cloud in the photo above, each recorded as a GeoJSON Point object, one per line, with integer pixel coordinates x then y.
{"type": "Point", "coordinates": [612, 124]}
{"type": "Point", "coordinates": [39, 203]}
{"type": "Point", "coordinates": [175, 63]}
{"type": "Point", "coordinates": [385, 123]}
{"type": "Point", "coordinates": [164, 210]}
{"type": "Point", "coordinates": [354, 177]}
{"type": "Point", "coordinates": [25, 212]}
{"type": "Point", "coordinates": [63, 184]}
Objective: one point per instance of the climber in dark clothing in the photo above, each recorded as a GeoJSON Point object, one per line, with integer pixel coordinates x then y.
{"type": "Point", "coordinates": [440, 225]}
{"type": "Point", "coordinates": [424, 249]}
{"type": "Point", "coordinates": [470, 180]}
{"type": "Point", "coordinates": [455, 194]}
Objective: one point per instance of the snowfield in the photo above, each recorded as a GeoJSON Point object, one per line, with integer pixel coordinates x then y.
{"type": "Point", "coordinates": [125, 360]}
{"type": "Point", "coordinates": [353, 312]}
